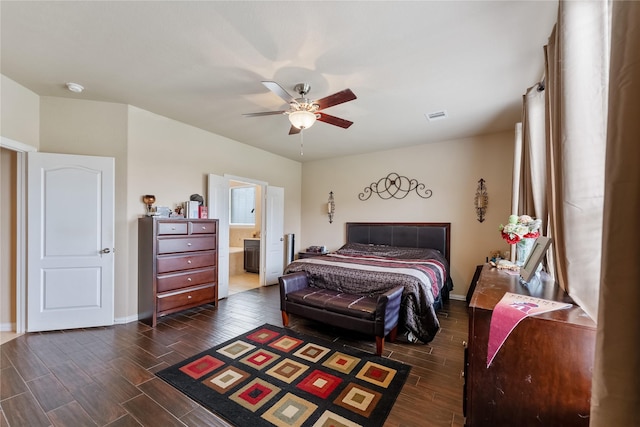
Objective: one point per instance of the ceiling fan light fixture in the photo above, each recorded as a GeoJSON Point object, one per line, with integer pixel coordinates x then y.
{"type": "Point", "coordinates": [302, 119]}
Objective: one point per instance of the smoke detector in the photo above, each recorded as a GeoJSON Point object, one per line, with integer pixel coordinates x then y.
{"type": "Point", "coordinates": [75, 87]}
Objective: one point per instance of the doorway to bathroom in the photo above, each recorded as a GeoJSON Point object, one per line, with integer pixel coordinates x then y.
{"type": "Point", "coordinates": [244, 236]}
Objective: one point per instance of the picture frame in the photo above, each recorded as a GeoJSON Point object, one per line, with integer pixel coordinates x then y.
{"type": "Point", "coordinates": [539, 249]}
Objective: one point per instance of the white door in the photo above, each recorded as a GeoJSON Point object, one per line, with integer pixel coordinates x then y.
{"type": "Point", "coordinates": [70, 241]}
{"type": "Point", "coordinates": [274, 235]}
{"type": "Point", "coordinates": [218, 197]}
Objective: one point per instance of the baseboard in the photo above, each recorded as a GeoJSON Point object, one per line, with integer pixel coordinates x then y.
{"type": "Point", "coordinates": [457, 297]}
{"type": "Point", "coordinates": [123, 320]}
{"type": "Point", "coordinates": [7, 327]}
{"type": "Point", "coordinates": [10, 327]}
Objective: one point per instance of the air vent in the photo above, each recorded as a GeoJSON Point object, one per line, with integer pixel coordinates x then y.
{"type": "Point", "coordinates": [437, 115]}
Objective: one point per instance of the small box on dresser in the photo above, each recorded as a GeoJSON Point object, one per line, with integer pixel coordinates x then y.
{"type": "Point", "coordinates": [177, 265]}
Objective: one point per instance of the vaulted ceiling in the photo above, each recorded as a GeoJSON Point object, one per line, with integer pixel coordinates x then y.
{"type": "Point", "coordinates": [202, 63]}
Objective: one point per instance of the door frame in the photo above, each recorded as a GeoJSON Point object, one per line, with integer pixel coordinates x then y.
{"type": "Point", "coordinates": [263, 185]}
{"type": "Point", "coordinates": [20, 210]}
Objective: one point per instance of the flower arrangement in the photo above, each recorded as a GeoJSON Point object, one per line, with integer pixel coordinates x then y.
{"type": "Point", "coordinates": [520, 227]}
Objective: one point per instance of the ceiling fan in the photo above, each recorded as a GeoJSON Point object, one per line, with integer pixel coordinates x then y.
{"type": "Point", "coordinates": [303, 112]}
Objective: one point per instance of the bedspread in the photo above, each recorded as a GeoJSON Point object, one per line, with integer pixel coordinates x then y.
{"type": "Point", "coordinates": [355, 273]}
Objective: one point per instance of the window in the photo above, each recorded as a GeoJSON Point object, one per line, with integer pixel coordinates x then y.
{"type": "Point", "coordinates": [243, 205]}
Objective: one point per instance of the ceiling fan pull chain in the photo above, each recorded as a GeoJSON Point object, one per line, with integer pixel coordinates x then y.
{"type": "Point", "coordinates": [301, 141]}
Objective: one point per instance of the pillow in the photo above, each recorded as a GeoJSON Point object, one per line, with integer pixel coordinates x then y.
{"type": "Point", "coordinates": [386, 251]}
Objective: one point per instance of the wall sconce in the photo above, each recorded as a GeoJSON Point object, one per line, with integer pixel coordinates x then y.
{"type": "Point", "coordinates": [481, 200]}
{"type": "Point", "coordinates": [331, 207]}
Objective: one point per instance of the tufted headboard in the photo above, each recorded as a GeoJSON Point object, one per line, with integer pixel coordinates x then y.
{"type": "Point", "coordinates": [434, 235]}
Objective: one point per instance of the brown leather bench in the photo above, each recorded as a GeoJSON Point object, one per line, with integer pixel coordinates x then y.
{"type": "Point", "coordinates": [373, 315]}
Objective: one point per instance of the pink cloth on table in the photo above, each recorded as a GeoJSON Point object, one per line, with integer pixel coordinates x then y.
{"type": "Point", "coordinates": [509, 311]}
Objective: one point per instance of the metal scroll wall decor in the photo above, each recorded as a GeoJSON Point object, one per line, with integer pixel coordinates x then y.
{"type": "Point", "coordinates": [396, 187]}
{"type": "Point", "coordinates": [481, 200]}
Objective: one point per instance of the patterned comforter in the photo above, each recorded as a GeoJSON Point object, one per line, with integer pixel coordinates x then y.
{"type": "Point", "coordinates": [370, 270]}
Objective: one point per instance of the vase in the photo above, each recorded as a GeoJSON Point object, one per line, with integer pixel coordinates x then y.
{"type": "Point", "coordinates": [523, 248]}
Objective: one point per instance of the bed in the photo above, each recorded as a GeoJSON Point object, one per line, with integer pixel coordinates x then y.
{"type": "Point", "coordinates": [379, 256]}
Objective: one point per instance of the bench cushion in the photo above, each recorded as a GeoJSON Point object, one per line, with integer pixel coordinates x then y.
{"type": "Point", "coordinates": [359, 306]}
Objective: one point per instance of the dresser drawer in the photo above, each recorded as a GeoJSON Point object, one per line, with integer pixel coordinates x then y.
{"type": "Point", "coordinates": [189, 297]}
{"type": "Point", "coordinates": [208, 227]}
{"type": "Point", "coordinates": [173, 227]}
{"type": "Point", "coordinates": [170, 282]}
{"type": "Point", "coordinates": [186, 244]}
{"type": "Point", "coordinates": [167, 263]}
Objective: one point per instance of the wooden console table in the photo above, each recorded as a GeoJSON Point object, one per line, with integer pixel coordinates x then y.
{"type": "Point", "coordinates": [542, 374]}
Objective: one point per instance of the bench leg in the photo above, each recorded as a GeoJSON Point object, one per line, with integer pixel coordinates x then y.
{"type": "Point", "coordinates": [285, 318]}
{"type": "Point", "coordinates": [379, 345]}
{"type": "Point", "coordinates": [393, 334]}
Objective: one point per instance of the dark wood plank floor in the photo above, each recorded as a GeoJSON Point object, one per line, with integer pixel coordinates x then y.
{"type": "Point", "coordinates": [105, 376]}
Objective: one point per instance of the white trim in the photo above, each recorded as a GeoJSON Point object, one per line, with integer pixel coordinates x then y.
{"type": "Point", "coordinates": [457, 297]}
{"type": "Point", "coordinates": [123, 320]}
{"type": "Point", "coordinates": [243, 179]}
{"type": "Point", "coordinates": [263, 222]}
{"type": "Point", "coordinates": [7, 327]}
{"type": "Point", "coordinates": [15, 145]}
{"type": "Point", "coordinates": [21, 242]}
{"type": "Point", "coordinates": [21, 210]}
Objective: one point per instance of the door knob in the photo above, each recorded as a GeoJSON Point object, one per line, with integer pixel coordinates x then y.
{"type": "Point", "coordinates": [105, 251]}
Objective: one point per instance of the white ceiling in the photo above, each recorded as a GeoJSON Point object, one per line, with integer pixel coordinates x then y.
{"type": "Point", "coordinates": [202, 63]}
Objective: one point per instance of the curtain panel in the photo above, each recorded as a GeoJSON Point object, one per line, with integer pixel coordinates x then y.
{"type": "Point", "coordinates": [616, 390]}
{"type": "Point", "coordinates": [533, 181]}
{"type": "Point", "coordinates": [577, 72]}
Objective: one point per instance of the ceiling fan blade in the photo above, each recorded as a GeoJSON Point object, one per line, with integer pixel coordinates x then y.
{"type": "Point", "coordinates": [335, 99]}
{"type": "Point", "coordinates": [294, 130]}
{"type": "Point", "coordinates": [278, 90]}
{"type": "Point", "coordinates": [264, 113]}
{"type": "Point", "coordinates": [333, 120]}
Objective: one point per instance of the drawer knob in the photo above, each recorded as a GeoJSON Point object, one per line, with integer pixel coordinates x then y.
{"type": "Point", "coordinates": [188, 296]}
{"type": "Point", "coordinates": [188, 244]}
{"type": "Point", "coordinates": [173, 228]}
{"type": "Point", "coordinates": [188, 261]}
{"type": "Point", "coordinates": [204, 228]}
{"type": "Point", "coordinates": [188, 279]}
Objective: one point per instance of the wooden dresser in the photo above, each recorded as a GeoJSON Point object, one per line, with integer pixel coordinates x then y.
{"type": "Point", "coordinates": [177, 265]}
{"type": "Point", "coordinates": [541, 376]}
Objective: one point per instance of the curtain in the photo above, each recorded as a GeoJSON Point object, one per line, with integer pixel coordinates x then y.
{"type": "Point", "coordinates": [576, 93]}
{"type": "Point", "coordinates": [616, 389]}
{"type": "Point", "coordinates": [534, 174]}
{"type": "Point", "coordinates": [517, 170]}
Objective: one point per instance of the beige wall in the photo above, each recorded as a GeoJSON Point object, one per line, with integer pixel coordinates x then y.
{"type": "Point", "coordinates": [160, 156]}
{"type": "Point", "coordinates": [71, 126]}
{"type": "Point", "coordinates": [152, 154]}
{"type": "Point", "coordinates": [19, 113]}
{"type": "Point", "coordinates": [451, 169]}
{"type": "Point", "coordinates": [172, 161]}
{"type": "Point", "coordinates": [157, 155]}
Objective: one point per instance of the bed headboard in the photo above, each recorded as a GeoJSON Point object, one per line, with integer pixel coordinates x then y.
{"type": "Point", "coordinates": [434, 235]}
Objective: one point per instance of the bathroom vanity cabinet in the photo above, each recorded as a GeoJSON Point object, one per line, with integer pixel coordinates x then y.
{"type": "Point", "coordinates": [252, 255]}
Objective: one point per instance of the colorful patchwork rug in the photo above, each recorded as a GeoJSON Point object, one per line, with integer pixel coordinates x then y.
{"type": "Point", "coordinates": [275, 376]}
